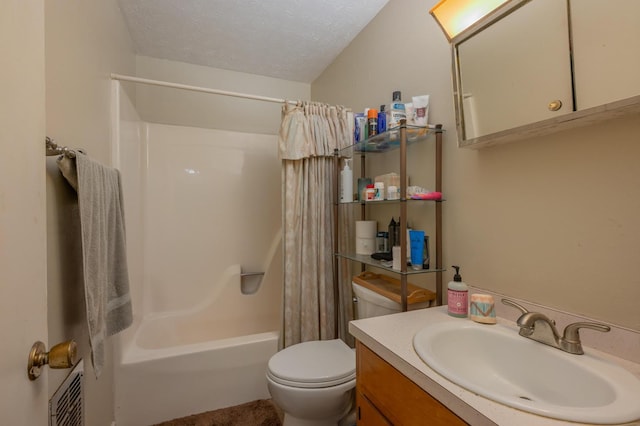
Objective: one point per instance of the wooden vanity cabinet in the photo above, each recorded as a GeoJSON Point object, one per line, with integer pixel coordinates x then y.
{"type": "Point", "coordinates": [384, 396]}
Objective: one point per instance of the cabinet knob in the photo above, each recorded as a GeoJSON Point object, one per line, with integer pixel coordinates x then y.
{"type": "Point", "coordinates": [555, 105]}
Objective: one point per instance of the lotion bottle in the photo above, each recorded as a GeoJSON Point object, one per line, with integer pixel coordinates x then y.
{"type": "Point", "coordinates": [457, 296]}
{"type": "Point", "coordinates": [346, 183]}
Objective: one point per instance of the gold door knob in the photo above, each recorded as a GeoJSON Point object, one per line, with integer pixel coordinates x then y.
{"type": "Point", "coordinates": [62, 355]}
{"type": "Point", "coordinates": [555, 105]}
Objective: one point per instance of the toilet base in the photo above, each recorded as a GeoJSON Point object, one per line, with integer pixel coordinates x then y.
{"type": "Point", "coordinates": [348, 419]}
{"type": "Point", "coordinates": [313, 406]}
{"type": "Point", "coordinates": [289, 420]}
{"type": "Point", "coordinates": [351, 418]}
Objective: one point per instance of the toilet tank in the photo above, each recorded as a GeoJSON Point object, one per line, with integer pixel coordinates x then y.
{"type": "Point", "coordinates": [378, 294]}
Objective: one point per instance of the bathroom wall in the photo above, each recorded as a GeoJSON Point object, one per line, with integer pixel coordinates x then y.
{"type": "Point", "coordinates": [187, 108]}
{"type": "Point", "coordinates": [84, 43]}
{"type": "Point", "coordinates": [551, 220]}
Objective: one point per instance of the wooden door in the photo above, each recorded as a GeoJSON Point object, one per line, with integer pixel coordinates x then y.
{"type": "Point", "coordinates": [23, 293]}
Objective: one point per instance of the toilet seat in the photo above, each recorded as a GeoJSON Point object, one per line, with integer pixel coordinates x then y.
{"type": "Point", "coordinates": [316, 364]}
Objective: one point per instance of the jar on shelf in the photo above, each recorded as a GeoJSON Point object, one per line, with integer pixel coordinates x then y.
{"type": "Point", "coordinates": [370, 192]}
{"type": "Point", "coordinates": [393, 193]}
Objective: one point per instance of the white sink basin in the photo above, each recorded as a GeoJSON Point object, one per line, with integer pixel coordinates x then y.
{"type": "Point", "coordinates": [497, 363]}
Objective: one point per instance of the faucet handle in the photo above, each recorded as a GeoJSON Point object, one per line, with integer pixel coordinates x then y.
{"type": "Point", "coordinates": [571, 333]}
{"type": "Point", "coordinates": [518, 306]}
{"type": "Point", "coordinates": [571, 338]}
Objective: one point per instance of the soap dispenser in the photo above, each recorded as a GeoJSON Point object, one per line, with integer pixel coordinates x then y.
{"type": "Point", "coordinates": [346, 180]}
{"type": "Point", "coordinates": [457, 296]}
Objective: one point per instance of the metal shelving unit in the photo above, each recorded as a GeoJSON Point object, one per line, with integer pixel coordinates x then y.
{"type": "Point", "coordinates": [396, 138]}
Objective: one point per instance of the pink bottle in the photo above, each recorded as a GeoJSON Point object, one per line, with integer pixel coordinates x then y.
{"type": "Point", "coordinates": [457, 296]}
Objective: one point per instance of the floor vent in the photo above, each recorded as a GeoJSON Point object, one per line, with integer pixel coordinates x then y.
{"type": "Point", "coordinates": [66, 407]}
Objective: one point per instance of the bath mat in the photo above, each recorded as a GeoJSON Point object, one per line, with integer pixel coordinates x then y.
{"type": "Point", "coordinates": [261, 412]}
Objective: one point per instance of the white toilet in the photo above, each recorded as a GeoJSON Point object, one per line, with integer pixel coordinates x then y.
{"type": "Point", "coordinates": [314, 382]}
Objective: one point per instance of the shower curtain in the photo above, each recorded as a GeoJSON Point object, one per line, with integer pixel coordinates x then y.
{"type": "Point", "coordinates": [309, 134]}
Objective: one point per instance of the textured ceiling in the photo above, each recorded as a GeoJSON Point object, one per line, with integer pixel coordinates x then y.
{"type": "Point", "coordinates": [289, 39]}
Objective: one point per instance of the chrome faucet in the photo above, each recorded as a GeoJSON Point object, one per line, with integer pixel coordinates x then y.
{"type": "Point", "coordinates": [539, 327]}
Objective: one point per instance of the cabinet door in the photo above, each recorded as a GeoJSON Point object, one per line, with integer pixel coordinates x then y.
{"type": "Point", "coordinates": [512, 70]}
{"type": "Point", "coordinates": [368, 415]}
{"type": "Point", "coordinates": [605, 50]}
{"type": "Point", "coordinates": [397, 398]}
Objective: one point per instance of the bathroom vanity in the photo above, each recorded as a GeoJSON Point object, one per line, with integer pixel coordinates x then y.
{"type": "Point", "coordinates": [395, 386]}
{"type": "Point", "coordinates": [382, 393]}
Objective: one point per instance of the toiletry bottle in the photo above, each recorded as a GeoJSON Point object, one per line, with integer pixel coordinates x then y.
{"type": "Point", "coordinates": [372, 122]}
{"type": "Point", "coordinates": [425, 264]}
{"type": "Point", "coordinates": [396, 111]}
{"type": "Point", "coordinates": [359, 127]}
{"type": "Point", "coordinates": [392, 234]}
{"type": "Point", "coordinates": [457, 296]}
{"type": "Point", "coordinates": [379, 191]}
{"type": "Point", "coordinates": [382, 120]}
{"type": "Point", "coordinates": [396, 234]}
{"type": "Point", "coordinates": [371, 192]}
{"type": "Point", "coordinates": [346, 181]}
{"type": "Point", "coordinates": [366, 125]}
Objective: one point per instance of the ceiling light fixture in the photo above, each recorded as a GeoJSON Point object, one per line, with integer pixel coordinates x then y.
{"type": "Point", "coordinates": [455, 16]}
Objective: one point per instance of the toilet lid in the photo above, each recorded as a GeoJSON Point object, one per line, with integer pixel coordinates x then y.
{"type": "Point", "coordinates": [313, 364]}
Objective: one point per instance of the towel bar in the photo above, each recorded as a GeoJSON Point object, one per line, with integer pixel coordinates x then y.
{"type": "Point", "coordinates": [54, 149]}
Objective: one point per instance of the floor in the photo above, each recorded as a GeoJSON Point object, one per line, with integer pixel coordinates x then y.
{"type": "Point", "coordinates": [255, 413]}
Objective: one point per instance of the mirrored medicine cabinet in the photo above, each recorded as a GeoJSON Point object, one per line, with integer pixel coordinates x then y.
{"type": "Point", "coordinates": [534, 67]}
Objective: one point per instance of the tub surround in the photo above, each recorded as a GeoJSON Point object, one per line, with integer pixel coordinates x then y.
{"type": "Point", "coordinates": [391, 336]}
{"type": "Point", "coordinates": [197, 343]}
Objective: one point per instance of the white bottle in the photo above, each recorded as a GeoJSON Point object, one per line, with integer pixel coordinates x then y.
{"type": "Point", "coordinates": [346, 183]}
{"type": "Point", "coordinates": [457, 296]}
{"type": "Point", "coordinates": [396, 111]}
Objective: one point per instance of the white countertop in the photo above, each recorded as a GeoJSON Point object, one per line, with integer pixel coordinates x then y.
{"type": "Point", "coordinates": [391, 337]}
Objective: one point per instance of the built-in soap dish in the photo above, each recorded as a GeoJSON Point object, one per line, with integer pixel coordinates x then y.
{"type": "Point", "coordinates": [250, 282]}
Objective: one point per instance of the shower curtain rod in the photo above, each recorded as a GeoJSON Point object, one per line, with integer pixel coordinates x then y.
{"type": "Point", "coordinates": [198, 89]}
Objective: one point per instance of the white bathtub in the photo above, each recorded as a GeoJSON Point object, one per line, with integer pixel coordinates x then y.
{"type": "Point", "coordinates": [212, 356]}
{"type": "Point", "coordinates": [166, 383]}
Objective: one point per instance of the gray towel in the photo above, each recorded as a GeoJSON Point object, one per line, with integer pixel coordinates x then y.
{"type": "Point", "coordinates": [106, 279]}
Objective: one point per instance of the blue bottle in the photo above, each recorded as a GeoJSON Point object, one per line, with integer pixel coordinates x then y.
{"type": "Point", "coordinates": [382, 120]}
